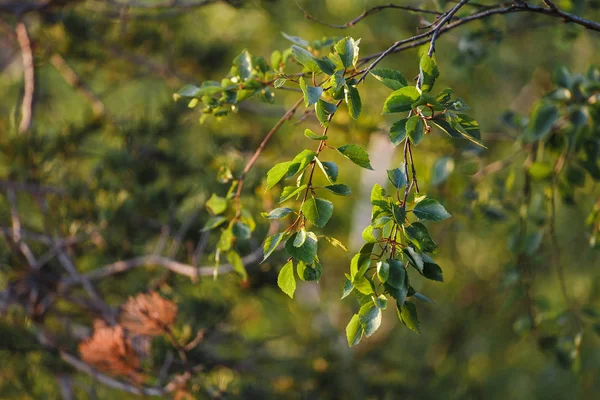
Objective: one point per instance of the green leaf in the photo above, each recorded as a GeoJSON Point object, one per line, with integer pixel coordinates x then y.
{"type": "Point", "coordinates": [329, 169]}
{"type": "Point", "coordinates": [323, 110]}
{"type": "Point", "coordinates": [354, 331]}
{"type": "Point", "coordinates": [401, 100]}
{"type": "Point", "coordinates": [276, 59]}
{"type": "Point", "coordinates": [307, 252]}
{"type": "Point", "coordinates": [276, 173]}
{"type": "Point", "coordinates": [383, 271]}
{"type": "Point", "coordinates": [399, 214]}
{"type": "Point", "coordinates": [226, 240]}
{"type": "Point", "coordinates": [389, 77]}
{"type": "Point", "coordinates": [396, 273]}
{"type": "Point", "coordinates": [363, 285]}
{"type": "Point", "coordinates": [398, 131]}
{"type": "Point", "coordinates": [381, 302]}
{"type": "Point", "coordinates": [278, 213]}
{"type": "Point", "coordinates": [431, 270]}
{"type": "Point", "coordinates": [415, 129]}
{"type": "Point", "coordinates": [540, 170]}
{"type": "Point", "coordinates": [359, 264]}
{"type": "Point", "coordinates": [347, 289]}
{"type": "Point", "coordinates": [304, 158]}
{"type": "Point", "coordinates": [347, 49]}
{"type": "Point", "coordinates": [286, 280]}
{"type": "Point", "coordinates": [300, 238]}
{"type": "Point", "coordinates": [290, 191]}
{"type": "Point", "coordinates": [311, 93]}
{"type": "Point", "coordinates": [339, 189]}
{"type": "Point", "coordinates": [356, 154]}
{"type": "Point", "coordinates": [424, 298]}
{"type": "Point", "coordinates": [408, 315]}
{"type": "Point", "coordinates": [311, 135]}
{"type": "Point", "coordinates": [243, 63]}
{"type": "Point", "coordinates": [397, 177]}
{"type": "Point", "coordinates": [442, 168]}
{"type": "Point", "coordinates": [213, 222]}
{"type": "Point", "coordinates": [353, 101]}
{"type": "Point", "coordinates": [430, 209]}
{"type": "Point", "coordinates": [418, 235]}
{"type": "Point", "coordinates": [456, 130]}
{"type": "Point", "coordinates": [305, 58]}
{"type": "Point", "coordinates": [271, 244]}
{"type": "Point", "coordinates": [236, 262]}
{"type": "Point", "coordinates": [428, 73]}
{"type": "Point", "coordinates": [317, 211]}
{"type": "Point", "coordinates": [370, 318]}
{"type": "Point", "coordinates": [296, 40]}
{"type": "Point", "coordinates": [367, 234]}
{"type": "Point", "coordinates": [541, 120]}
{"type": "Point", "coordinates": [415, 258]}
{"type": "Point", "coordinates": [310, 272]}
{"type": "Point", "coordinates": [279, 83]}
{"type": "Point", "coordinates": [241, 231]}
{"type": "Point", "coordinates": [217, 205]}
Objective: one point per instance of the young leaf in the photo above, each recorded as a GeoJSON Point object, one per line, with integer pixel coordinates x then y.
{"type": "Point", "coordinates": [307, 252]}
{"type": "Point", "coordinates": [408, 315]}
{"type": "Point", "coordinates": [317, 211]}
{"type": "Point", "coordinates": [415, 258]}
{"type": "Point", "coordinates": [354, 331]}
{"type": "Point", "coordinates": [339, 189]}
{"type": "Point", "coordinates": [390, 78]}
{"type": "Point", "coordinates": [311, 135]}
{"type": "Point", "coordinates": [236, 262]}
{"type": "Point", "coordinates": [276, 173]}
{"type": "Point", "coordinates": [216, 204]}
{"type": "Point", "coordinates": [367, 234]}
{"type": "Point", "coordinates": [311, 93]}
{"type": "Point", "coordinates": [271, 244]}
{"type": "Point", "coordinates": [428, 73]}
{"type": "Point", "coordinates": [347, 50]}
{"type": "Point", "coordinates": [286, 280]}
{"type": "Point", "coordinates": [383, 271]}
{"type": "Point", "coordinates": [278, 213]}
{"type": "Point", "coordinates": [304, 158]}
{"type": "Point", "coordinates": [353, 101]}
{"type": "Point", "coordinates": [398, 131]}
{"type": "Point", "coordinates": [430, 209]}
{"type": "Point", "coordinates": [415, 129]}
{"type": "Point", "coordinates": [356, 154]}
{"type": "Point", "coordinates": [401, 100]}
{"type": "Point", "coordinates": [397, 177]}
{"type": "Point", "coordinates": [213, 222]}
{"type": "Point", "coordinates": [347, 289]}
{"type": "Point", "coordinates": [290, 191]}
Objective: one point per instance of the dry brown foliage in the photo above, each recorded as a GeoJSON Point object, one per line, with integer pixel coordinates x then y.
{"type": "Point", "coordinates": [148, 314]}
{"type": "Point", "coordinates": [110, 351]}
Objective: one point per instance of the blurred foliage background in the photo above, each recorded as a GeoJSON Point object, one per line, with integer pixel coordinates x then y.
{"type": "Point", "coordinates": [112, 161]}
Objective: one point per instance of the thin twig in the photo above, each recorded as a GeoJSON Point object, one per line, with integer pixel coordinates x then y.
{"type": "Point", "coordinates": [366, 13]}
{"type": "Point", "coordinates": [28, 76]}
{"type": "Point", "coordinates": [16, 229]}
{"type": "Point", "coordinates": [440, 24]}
{"type": "Point", "coordinates": [240, 182]}
{"type": "Point", "coordinates": [75, 81]}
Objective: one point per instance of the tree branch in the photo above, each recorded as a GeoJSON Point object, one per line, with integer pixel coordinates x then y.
{"type": "Point", "coordinates": [447, 17]}
{"type": "Point", "coordinates": [28, 76]}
